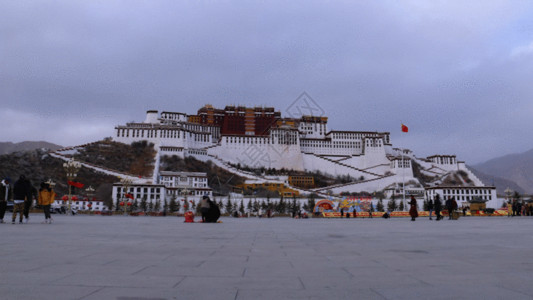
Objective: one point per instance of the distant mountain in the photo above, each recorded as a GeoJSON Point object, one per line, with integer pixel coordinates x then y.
{"type": "Point", "coordinates": [500, 183]}
{"type": "Point", "coordinates": [9, 147]}
{"type": "Point", "coordinates": [517, 168]}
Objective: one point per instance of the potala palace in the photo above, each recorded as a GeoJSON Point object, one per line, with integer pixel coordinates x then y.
{"type": "Point", "coordinates": [260, 137]}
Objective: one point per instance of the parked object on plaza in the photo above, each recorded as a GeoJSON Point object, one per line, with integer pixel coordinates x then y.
{"type": "Point", "coordinates": [189, 217]}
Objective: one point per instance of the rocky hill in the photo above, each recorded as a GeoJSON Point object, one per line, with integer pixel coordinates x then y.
{"type": "Point", "coordinates": [9, 147]}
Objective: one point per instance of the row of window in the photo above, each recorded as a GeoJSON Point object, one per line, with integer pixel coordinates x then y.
{"type": "Point", "coordinates": [465, 192]}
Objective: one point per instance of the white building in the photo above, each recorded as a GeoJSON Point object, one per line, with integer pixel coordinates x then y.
{"type": "Point", "coordinates": [81, 204]}
{"type": "Point", "coordinates": [462, 194]}
{"type": "Point", "coordinates": [260, 138]}
{"type": "Point", "coordinates": [178, 185]}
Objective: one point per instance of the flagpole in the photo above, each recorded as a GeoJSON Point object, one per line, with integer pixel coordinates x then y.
{"type": "Point", "coordinates": [403, 182]}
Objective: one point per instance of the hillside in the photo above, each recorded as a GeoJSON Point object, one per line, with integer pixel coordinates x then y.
{"type": "Point", "coordinates": [39, 166]}
{"type": "Point", "coordinates": [501, 184]}
{"type": "Point", "coordinates": [517, 168]}
{"type": "Point", "coordinates": [9, 147]}
{"type": "Point", "coordinates": [136, 159]}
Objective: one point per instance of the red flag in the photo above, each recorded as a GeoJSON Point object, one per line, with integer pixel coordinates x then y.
{"type": "Point", "coordinates": [76, 184]}
{"type": "Point", "coordinates": [404, 128]}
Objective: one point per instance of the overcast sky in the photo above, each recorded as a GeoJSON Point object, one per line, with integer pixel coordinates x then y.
{"type": "Point", "coordinates": [459, 74]}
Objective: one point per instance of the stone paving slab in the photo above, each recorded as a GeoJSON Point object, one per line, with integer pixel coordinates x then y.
{"type": "Point", "coordinates": [155, 258]}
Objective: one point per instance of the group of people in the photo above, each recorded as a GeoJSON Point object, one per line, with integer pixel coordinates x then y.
{"type": "Point", "coordinates": [519, 209]}
{"type": "Point", "coordinates": [22, 194]}
{"type": "Point", "coordinates": [209, 209]}
{"type": "Point", "coordinates": [451, 206]}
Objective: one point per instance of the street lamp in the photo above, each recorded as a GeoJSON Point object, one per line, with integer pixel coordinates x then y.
{"type": "Point", "coordinates": [71, 168]}
{"type": "Point", "coordinates": [90, 192]}
{"type": "Point", "coordinates": [126, 182]}
{"type": "Point", "coordinates": [508, 192]}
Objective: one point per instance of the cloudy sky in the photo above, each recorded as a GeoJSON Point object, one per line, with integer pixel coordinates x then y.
{"type": "Point", "coordinates": [458, 73]}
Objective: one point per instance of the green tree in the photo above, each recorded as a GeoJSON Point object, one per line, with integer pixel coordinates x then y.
{"type": "Point", "coordinates": [173, 206]}
{"type": "Point", "coordinates": [401, 207]}
{"type": "Point", "coordinates": [150, 206]}
{"type": "Point", "coordinates": [135, 205]}
{"type": "Point", "coordinates": [249, 206]}
{"type": "Point", "coordinates": [241, 207]}
{"type": "Point", "coordinates": [371, 207]}
{"type": "Point", "coordinates": [380, 206]}
{"type": "Point", "coordinates": [157, 205]}
{"type": "Point", "coordinates": [391, 206]}
{"type": "Point", "coordinates": [144, 204]}
{"type": "Point", "coordinates": [229, 205]}
{"type": "Point", "coordinates": [281, 206]}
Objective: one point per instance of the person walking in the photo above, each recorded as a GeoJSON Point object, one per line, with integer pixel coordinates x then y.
{"type": "Point", "coordinates": [451, 205]}
{"type": "Point", "coordinates": [21, 192]}
{"type": "Point", "coordinates": [438, 207]}
{"type": "Point", "coordinates": [413, 211]}
{"type": "Point", "coordinates": [29, 200]}
{"type": "Point", "coordinates": [45, 199]}
{"type": "Point", "coordinates": [6, 194]}
{"type": "Point", "coordinates": [430, 208]}
{"type": "Point", "coordinates": [204, 207]}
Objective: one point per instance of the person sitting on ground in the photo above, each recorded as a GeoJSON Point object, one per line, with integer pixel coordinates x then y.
{"type": "Point", "coordinates": [204, 206]}
{"type": "Point", "coordinates": [213, 213]}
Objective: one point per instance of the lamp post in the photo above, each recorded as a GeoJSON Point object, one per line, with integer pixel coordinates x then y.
{"type": "Point", "coordinates": [126, 182]}
{"type": "Point", "coordinates": [187, 205]}
{"type": "Point", "coordinates": [90, 192]}
{"type": "Point", "coordinates": [508, 193]}
{"type": "Point", "coordinates": [71, 168]}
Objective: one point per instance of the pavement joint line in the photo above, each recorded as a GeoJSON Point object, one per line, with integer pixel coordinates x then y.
{"type": "Point", "coordinates": [92, 293]}
{"type": "Point", "coordinates": [378, 293]}
{"type": "Point", "coordinates": [142, 269]}
{"type": "Point", "coordinates": [302, 283]}
{"type": "Point", "coordinates": [179, 281]}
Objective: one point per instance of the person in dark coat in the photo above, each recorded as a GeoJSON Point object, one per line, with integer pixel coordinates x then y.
{"type": "Point", "coordinates": [451, 205]}
{"type": "Point", "coordinates": [438, 207]}
{"type": "Point", "coordinates": [21, 192]}
{"type": "Point", "coordinates": [430, 208]}
{"type": "Point", "coordinates": [213, 213]}
{"type": "Point", "coordinates": [29, 200]}
{"type": "Point", "coordinates": [6, 194]}
{"type": "Point", "coordinates": [413, 211]}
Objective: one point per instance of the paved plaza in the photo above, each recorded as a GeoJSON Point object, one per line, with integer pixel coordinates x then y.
{"type": "Point", "coordinates": [153, 258]}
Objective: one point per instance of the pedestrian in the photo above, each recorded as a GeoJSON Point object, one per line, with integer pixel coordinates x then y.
{"type": "Point", "coordinates": [438, 207]}
{"type": "Point", "coordinates": [430, 208]}
{"type": "Point", "coordinates": [21, 192]}
{"type": "Point", "coordinates": [6, 194]}
{"type": "Point", "coordinates": [413, 211]}
{"type": "Point", "coordinates": [342, 212]}
{"type": "Point", "coordinates": [370, 213]}
{"type": "Point", "coordinates": [204, 206]}
{"type": "Point", "coordinates": [45, 199]}
{"type": "Point", "coordinates": [451, 205]}
{"type": "Point", "coordinates": [464, 211]}
{"type": "Point", "coordinates": [29, 201]}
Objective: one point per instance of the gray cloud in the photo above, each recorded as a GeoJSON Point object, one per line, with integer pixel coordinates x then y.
{"type": "Point", "coordinates": [458, 74]}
